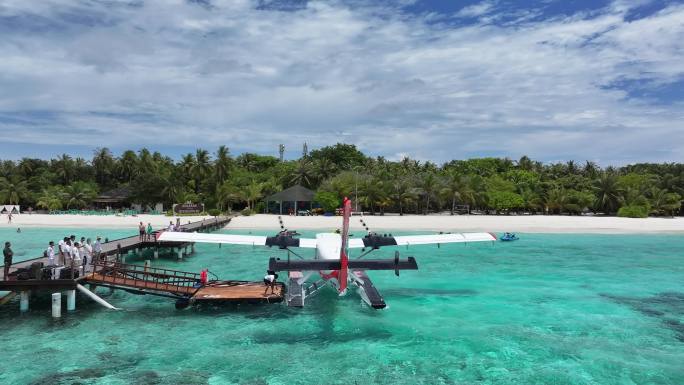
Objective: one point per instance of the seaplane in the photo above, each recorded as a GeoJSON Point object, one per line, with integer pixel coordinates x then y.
{"type": "Point", "coordinates": [331, 259]}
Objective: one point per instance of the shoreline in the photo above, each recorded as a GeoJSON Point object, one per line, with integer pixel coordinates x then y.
{"type": "Point", "coordinates": [436, 222]}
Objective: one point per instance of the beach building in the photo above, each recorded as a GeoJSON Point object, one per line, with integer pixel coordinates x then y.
{"type": "Point", "coordinates": [7, 209]}
{"type": "Point", "coordinates": [292, 200]}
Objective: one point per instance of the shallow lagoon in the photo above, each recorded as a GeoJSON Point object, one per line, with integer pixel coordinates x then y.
{"type": "Point", "coordinates": [549, 309]}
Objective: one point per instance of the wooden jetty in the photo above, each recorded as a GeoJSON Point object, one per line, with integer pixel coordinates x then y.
{"type": "Point", "coordinates": [120, 247]}
{"type": "Point", "coordinates": [111, 271]}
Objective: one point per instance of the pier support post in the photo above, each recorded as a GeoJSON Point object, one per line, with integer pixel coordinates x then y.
{"type": "Point", "coordinates": [24, 301]}
{"type": "Point", "coordinates": [56, 305]}
{"type": "Point", "coordinates": [180, 253]}
{"type": "Point", "coordinates": [71, 300]}
{"type": "Point", "coordinates": [156, 253]}
{"type": "Point", "coordinates": [192, 248]}
{"type": "Point", "coordinates": [185, 250]}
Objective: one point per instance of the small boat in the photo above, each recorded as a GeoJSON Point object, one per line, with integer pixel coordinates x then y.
{"type": "Point", "coordinates": [509, 237]}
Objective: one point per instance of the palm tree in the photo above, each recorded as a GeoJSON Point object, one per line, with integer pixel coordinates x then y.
{"type": "Point", "coordinates": [187, 165]}
{"type": "Point", "coordinates": [607, 192]}
{"type": "Point", "coordinates": [65, 168]}
{"type": "Point", "coordinates": [531, 200]}
{"type": "Point", "coordinates": [401, 192]}
{"type": "Point", "coordinates": [457, 188]}
{"type": "Point", "coordinates": [51, 198]}
{"type": "Point", "coordinates": [324, 168]}
{"type": "Point", "coordinates": [428, 185]}
{"type": "Point", "coordinates": [556, 200]}
{"type": "Point", "coordinates": [202, 164]}
{"type": "Point", "coordinates": [103, 163]}
{"type": "Point", "coordinates": [79, 194]}
{"type": "Point", "coordinates": [251, 193]}
{"type": "Point", "coordinates": [12, 191]}
{"type": "Point", "coordinates": [226, 195]}
{"type": "Point", "coordinates": [303, 173]}
{"type": "Point", "coordinates": [128, 166]}
{"type": "Point", "coordinates": [222, 164]}
{"type": "Point", "coordinates": [146, 163]}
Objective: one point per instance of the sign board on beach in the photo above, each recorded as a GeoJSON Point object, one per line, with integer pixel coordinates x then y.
{"type": "Point", "coordinates": [188, 208]}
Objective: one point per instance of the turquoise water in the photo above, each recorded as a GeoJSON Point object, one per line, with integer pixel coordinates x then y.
{"type": "Point", "coordinates": [549, 309]}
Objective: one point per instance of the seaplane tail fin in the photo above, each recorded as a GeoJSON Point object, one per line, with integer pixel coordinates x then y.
{"type": "Point", "coordinates": [344, 259]}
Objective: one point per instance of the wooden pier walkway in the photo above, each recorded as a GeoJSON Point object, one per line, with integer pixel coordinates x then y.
{"type": "Point", "coordinates": [124, 245]}
{"type": "Point", "coordinates": [186, 287]}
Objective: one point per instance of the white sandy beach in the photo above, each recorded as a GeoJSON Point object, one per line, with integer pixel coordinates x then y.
{"type": "Point", "coordinates": [458, 223]}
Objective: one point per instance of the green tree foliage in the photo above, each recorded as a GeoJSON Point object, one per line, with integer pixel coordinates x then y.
{"type": "Point", "coordinates": [504, 201]}
{"type": "Point", "coordinates": [375, 184]}
{"type": "Point", "coordinates": [328, 200]}
{"type": "Point", "coordinates": [79, 194]}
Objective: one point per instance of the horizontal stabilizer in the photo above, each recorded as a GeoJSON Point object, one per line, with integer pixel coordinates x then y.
{"type": "Point", "coordinates": [281, 241]}
{"type": "Point", "coordinates": [376, 241]}
{"type": "Point", "coordinates": [358, 264]}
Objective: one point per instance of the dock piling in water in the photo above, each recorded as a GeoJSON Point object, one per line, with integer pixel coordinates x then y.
{"type": "Point", "coordinates": [56, 305]}
{"type": "Point", "coordinates": [71, 300]}
{"type": "Point", "coordinates": [24, 301]}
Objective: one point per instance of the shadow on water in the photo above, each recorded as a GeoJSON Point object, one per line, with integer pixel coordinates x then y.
{"type": "Point", "coordinates": [667, 307]}
{"type": "Point", "coordinates": [406, 292]}
{"type": "Point", "coordinates": [326, 311]}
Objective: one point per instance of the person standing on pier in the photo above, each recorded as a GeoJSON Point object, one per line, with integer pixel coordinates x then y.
{"type": "Point", "coordinates": [149, 231]}
{"type": "Point", "coordinates": [8, 254]}
{"type": "Point", "coordinates": [50, 253]}
{"type": "Point", "coordinates": [141, 232]}
{"type": "Point", "coordinates": [75, 260]}
{"type": "Point", "coordinates": [97, 248]}
{"type": "Point", "coordinates": [67, 252]}
{"type": "Point", "coordinates": [88, 247]}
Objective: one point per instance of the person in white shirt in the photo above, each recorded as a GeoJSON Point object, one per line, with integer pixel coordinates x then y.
{"type": "Point", "coordinates": [89, 248]}
{"type": "Point", "coordinates": [60, 249]}
{"type": "Point", "coordinates": [75, 257]}
{"type": "Point", "coordinates": [50, 252]}
{"type": "Point", "coordinates": [67, 252]}
{"type": "Point", "coordinates": [171, 227]}
{"type": "Point", "coordinates": [97, 248]}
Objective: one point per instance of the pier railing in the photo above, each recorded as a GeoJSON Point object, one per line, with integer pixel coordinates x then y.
{"type": "Point", "coordinates": [144, 278]}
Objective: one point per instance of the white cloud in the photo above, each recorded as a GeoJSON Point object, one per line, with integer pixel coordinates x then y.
{"type": "Point", "coordinates": [476, 10]}
{"type": "Point", "coordinates": [165, 73]}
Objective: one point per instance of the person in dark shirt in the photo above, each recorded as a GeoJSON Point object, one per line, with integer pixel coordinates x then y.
{"type": "Point", "coordinates": [8, 254]}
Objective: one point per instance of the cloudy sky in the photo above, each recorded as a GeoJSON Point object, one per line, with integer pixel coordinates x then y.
{"type": "Point", "coordinates": [431, 79]}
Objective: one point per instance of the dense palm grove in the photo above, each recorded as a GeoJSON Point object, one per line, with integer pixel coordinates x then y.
{"type": "Point", "coordinates": [223, 182]}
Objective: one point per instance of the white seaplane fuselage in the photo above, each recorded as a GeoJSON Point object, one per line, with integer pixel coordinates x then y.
{"type": "Point", "coordinates": [328, 247]}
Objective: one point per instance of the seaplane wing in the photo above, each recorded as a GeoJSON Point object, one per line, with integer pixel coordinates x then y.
{"type": "Point", "coordinates": [376, 241]}
{"type": "Point", "coordinates": [253, 240]}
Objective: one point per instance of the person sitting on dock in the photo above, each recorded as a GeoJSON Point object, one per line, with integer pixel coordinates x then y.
{"type": "Point", "coordinates": [8, 254]}
{"type": "Point", "coordinates": [270, 281]}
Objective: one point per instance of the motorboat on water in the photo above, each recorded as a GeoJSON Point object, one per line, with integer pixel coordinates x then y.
{"type": "Point", "coordinates": [509, 237]}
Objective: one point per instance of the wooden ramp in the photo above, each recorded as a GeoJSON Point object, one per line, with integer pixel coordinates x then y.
{"type": "Point", "coordinates": [238, 291]}
{"type": "Point", "coordinates": [179, 284]}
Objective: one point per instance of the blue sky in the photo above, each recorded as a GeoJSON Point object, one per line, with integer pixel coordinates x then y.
{"type": "Point", "coordinates": [435, 80]}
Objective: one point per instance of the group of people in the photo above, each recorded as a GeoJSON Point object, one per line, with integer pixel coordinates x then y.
{"type": "Point", "coordinates": [73, 253]}
{"type": "Point", "coordinates": [174, 227]}
{"type": "Point", "coordinates": [145, 233]}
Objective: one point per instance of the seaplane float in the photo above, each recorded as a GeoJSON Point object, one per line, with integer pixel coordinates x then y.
{"type": "Point", "coordinates": [331, 260]}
